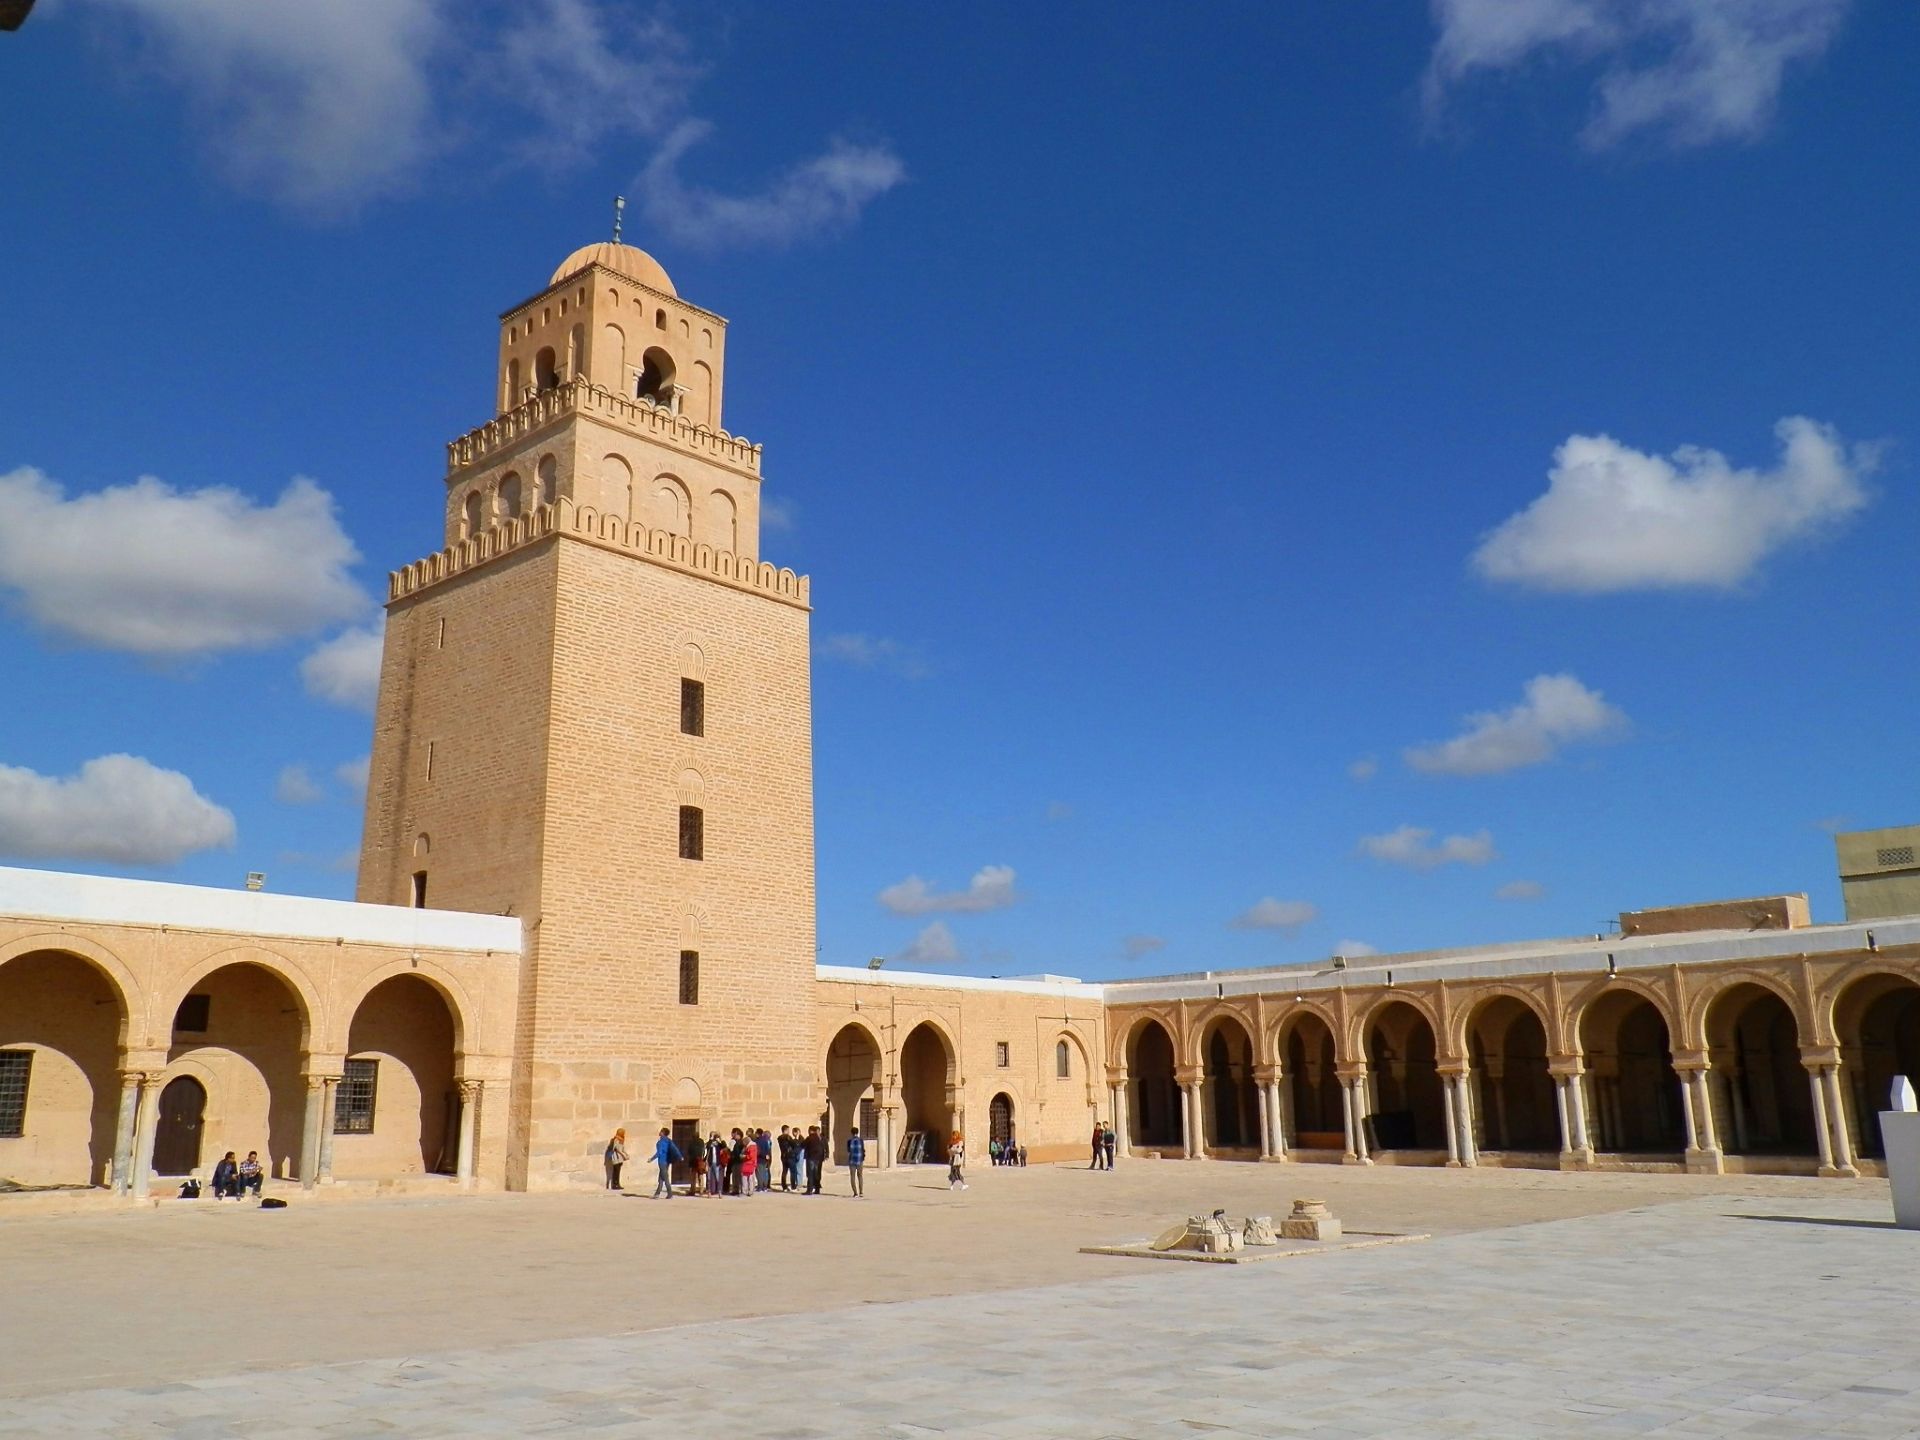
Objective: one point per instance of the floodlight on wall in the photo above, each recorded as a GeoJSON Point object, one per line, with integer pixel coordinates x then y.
{"type": "Point", "coordinates": [256, 880]}
{"type": "Point", "coordinates": [876, 962]}
{"type": "Point", "coordinates": [1339, 962]}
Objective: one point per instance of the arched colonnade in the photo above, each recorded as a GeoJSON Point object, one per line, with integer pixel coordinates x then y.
{"type": "Point", "coordinates": [114, 1075]}
{"type": "Point", "coordinates": [1777, 1067]}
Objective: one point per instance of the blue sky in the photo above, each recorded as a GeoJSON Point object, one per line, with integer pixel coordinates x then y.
{"type": "Point", "coordinates": [1302, 477]}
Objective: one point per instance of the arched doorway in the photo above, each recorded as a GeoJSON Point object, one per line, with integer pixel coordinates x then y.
{"type": "Point", "coordinates": [244, 1029]}
{"type": "Point", "coordinates": [1516, 1110]}
{"type": "Point", "coordinates": [1153, 1096]}
{"type": "Point", "coordinates": [1409, 1113]}
{"type": "Point", "coordinates": [853, 1072]}
{"type": "Point", "coordinates": [1762, 1102]}
{"type": "Point", "coordinates": [1877, 1020]}
{"type": "Point", "coordinates": [1633, 1089]}
{"type": "Point", "coordinates": [176, 1138]}
{"type": "Point", "coordinates": [398, 1109]}
{"type": "Point", "coordinates": [1229, 1105]}
{"type": "Point", "coordinates": [1000, 1119]}
{"type": "Point", "coordinates": [926, 1088]}
{"type": "Point", "coordinates": [1314, 1103]}
{"type": "Point", "coordinates": [60, 1025]}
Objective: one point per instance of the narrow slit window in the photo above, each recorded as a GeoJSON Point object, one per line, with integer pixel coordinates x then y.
{"type": "Point", "coordinates": [419, 889]}
{"type": "Point", "coordinates": [1002, 1054]}
{"type": "Point", "coordinates": [689, 977]}
{"type": "Point", "coordinates": [693, 837]}
{"type": "Point", "coordinates": [693, 707]}
{"type": "Point", "coordinates": [1062, 1061]}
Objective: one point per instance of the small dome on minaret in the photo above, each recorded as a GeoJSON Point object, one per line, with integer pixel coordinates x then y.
{"type": "Point", "coordinates": [627, 260]}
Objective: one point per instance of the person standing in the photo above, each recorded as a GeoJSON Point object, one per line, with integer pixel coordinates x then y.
{"type": "Point", "coordinates": [616, 1157]}
{"type": "Point", "coordinates": [736, 1156]}
{"type": "Point", "coordinates": [665, 1152]}
{"type": "Point", "coordinates": [763, 1145]}
{"type": "Point", "coordinates": [786, 1143]}
{"type": "Point", "coordinates": [956, 1160]}
{"type": "Point", "coordinates": [1112, 1142]}
{"type": "Point", "coordinates": [716, 1165]}
{"type": "Point", "coordinates": [857, 1161]}
{"type": "Point", "coordinates": [816, 1157]}
{"type": "Point", "coordinates": [1099, 1146]}
{"type": "Point", "coordinates": [750, 1165]}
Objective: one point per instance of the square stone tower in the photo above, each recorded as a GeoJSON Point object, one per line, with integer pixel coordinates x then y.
{"type": "Point", "coordinates": [595, 715]}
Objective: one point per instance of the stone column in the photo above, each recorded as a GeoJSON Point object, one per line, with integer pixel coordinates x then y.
{"type": "Point", "coordinates": [1352, 1155]}
{"type": "Point", "coordinates": [1123, 1125]}
{"type": "Point", "coordinates": [132, 1082]}
{"type": "Point", "coordinates": [1453, 1123]}
{"type": "Point", "coordinates": [1842, 1136]}
{"type": "Point", "coordinates": [1463, 1108]}
{"type": "Point", "coordinates": [310, 1133]}
{"type": "Point", "coordinates": [1705, 1155]}
{"type": "Point", "coordinates": [1820, 1133]}
{"type": "Point", "coordinates": [1686, 1114]}
{"type": "Point", "coordinates": [328, 1098]}
{"type": "Point", "coordinates": [146, 1130]}
{"type": "Point", "coordinates": [1358, 1088]}
{"type": "Point", "coordinates": [1577, 1093]}
{"type": "Point", "coordinates": [1277, 1107]}
{"type": "Point", "coordinates": [1263, 1087]}
{"type": "Point", "coordinates": [470, 1092]}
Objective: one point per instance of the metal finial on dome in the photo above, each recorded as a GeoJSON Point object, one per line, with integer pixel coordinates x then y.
{"type": "Point", "coordinates": [619, 208]}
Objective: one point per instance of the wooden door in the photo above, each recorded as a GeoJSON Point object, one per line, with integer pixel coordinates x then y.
{"type": "Point", "coordinates": [176, 1143]}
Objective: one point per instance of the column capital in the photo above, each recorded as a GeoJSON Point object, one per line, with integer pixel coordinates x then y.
{"type": "Point", "coordinates": [1265, 1074]}
{"type": "Point", "coordinates": [1570, 1067]}
{"type": "Point", "coordinates": [1186, 1076]}
{"type": "Point", "coordinates": [471, 1089]}
{"type": "Point", "coordinates": [1687, 1061]}
{"type": "Point", "coordinates": [1819, 1057]}
{"type": "Point", "coordinates": [1452, 1067]}
{"type": "Point", "coordinates": [1350, 1070]}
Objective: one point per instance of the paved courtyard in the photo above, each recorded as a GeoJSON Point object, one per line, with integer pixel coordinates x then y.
{"type": "Point", "coordinates": [1545, 1305]}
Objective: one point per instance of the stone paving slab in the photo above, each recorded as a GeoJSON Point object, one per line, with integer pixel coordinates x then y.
{"type": "Point", "coordinates": [1720, 1316]}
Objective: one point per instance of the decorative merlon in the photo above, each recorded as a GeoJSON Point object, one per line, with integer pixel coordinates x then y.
{"type": "Point", "coordinates": [579, 397]}
{"type": "Point", "coordinates": [608, 532]}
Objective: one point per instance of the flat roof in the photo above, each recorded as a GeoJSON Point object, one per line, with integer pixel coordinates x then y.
{"type": "Point", "coordinates": [110, 900]}
{"type": "Point", "coordinates": [1050, 985]}
{"type": "Point", "coordinates": [1529, 957]}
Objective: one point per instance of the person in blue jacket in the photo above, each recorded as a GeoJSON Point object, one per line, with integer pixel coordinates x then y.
{"type": "Point", "coordinates": [857, 1161]}
{"type": "Point", "coordinates": [665, 1152]}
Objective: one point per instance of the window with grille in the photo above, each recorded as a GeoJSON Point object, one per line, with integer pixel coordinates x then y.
{"type": "Point", "coordinates": [1897, 855]}
{"type": "Point", "coordinates": [353, 1098]}
{"type": "Point", "coordinates": [693, 707]}
{"type": "Point", "coordinates": [693, 826]}
{"type": "Point", "coordinates": [193, 1015]}
{"type": "Point", "coordinates": [689, 977]}
{"type": "Point", "coordinates": [15, 1066]}
{"type": "Point", "coordinates": [1062, 1061]}
{"type": "Point", "coordinates": [1002, 1054]}
{"type": "Point", "coordinates": [869, 1119]}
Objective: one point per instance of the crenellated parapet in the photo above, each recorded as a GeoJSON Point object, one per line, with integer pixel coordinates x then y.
{"type": "Point", "coordinates": [572, 398]}
{"type": "Point", "coordinates": [609, 532]}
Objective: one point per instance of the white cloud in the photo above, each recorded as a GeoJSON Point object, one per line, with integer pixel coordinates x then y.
{"type": "Point", "coordinates": [1271, 914]}
{"type": "Point", "coordinates": [872, 652]}
{"type": "Point", "coordinates": [1614, 518]}
{"type": "Point", "coordinates": [164, 572]}
{"type": "Point", "coordinates": [934, 945]}
{"type": "Point", "coordinates": [1413, 847]}
{"type": "Point", "coordinates": [778, 514]}
{"type": "Point", "coordinates": [1363, 769]}
{"type": "Point", "coordinates": [320, 107]}
{"type": "Point", "coordinates": [119, 808]}
{"type": "Point", "coordinates": [341, 862]}
{"type": "Point", "coordinates": [820, 196]}
{"type": "Point", "coordinates": [1692, 72]}
{"type": "Point", "coordinates": [1136, 947]}
{"type": "Point", "coordinates": [346, 669]}
{"type": "Point", "coordinates": [990, 889]}
{"type": "Point", "coordinates": [353, 773]}
{"type": "Point", "coordinates": [296, 787]}
{"type": "Point", "coordinates": [323, 108]}
{"type": "Point", "coordinates": [1520, 890]}
{"type": "Point", "coordinates": [1555, 710]}
{"type": "Point", "coordinates": [1354, 949]}
{"type": "Point", "coordinates": [1058, 810]}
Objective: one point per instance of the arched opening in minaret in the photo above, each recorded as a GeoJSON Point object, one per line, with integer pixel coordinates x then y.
{"type": "Point", "coordinates": [656, 377]}
{"type": "Point", "coordinates": [510, 497]}
{"type": "Point", "coordinates": [545, 368]}
{"type": "Point", "coordinates": [474, 511]}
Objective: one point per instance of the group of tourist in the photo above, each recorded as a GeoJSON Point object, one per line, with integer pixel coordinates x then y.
{"type": "Point", "coordinates": [742, 1164]}
{"type": "Point", "coordinates": [1005, 1152]}
{"type": "Point", "coordinates": [1104, 1142]}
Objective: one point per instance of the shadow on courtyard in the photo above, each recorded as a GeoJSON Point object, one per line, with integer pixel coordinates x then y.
{"type": "Point", "coordinates": [1817, 1220]}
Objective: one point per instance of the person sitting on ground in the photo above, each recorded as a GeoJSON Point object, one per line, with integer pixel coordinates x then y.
{"type": "Point", "coordinates": [226, 1177]}
{"type": "Point", "coordinates": [251, 1175]}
